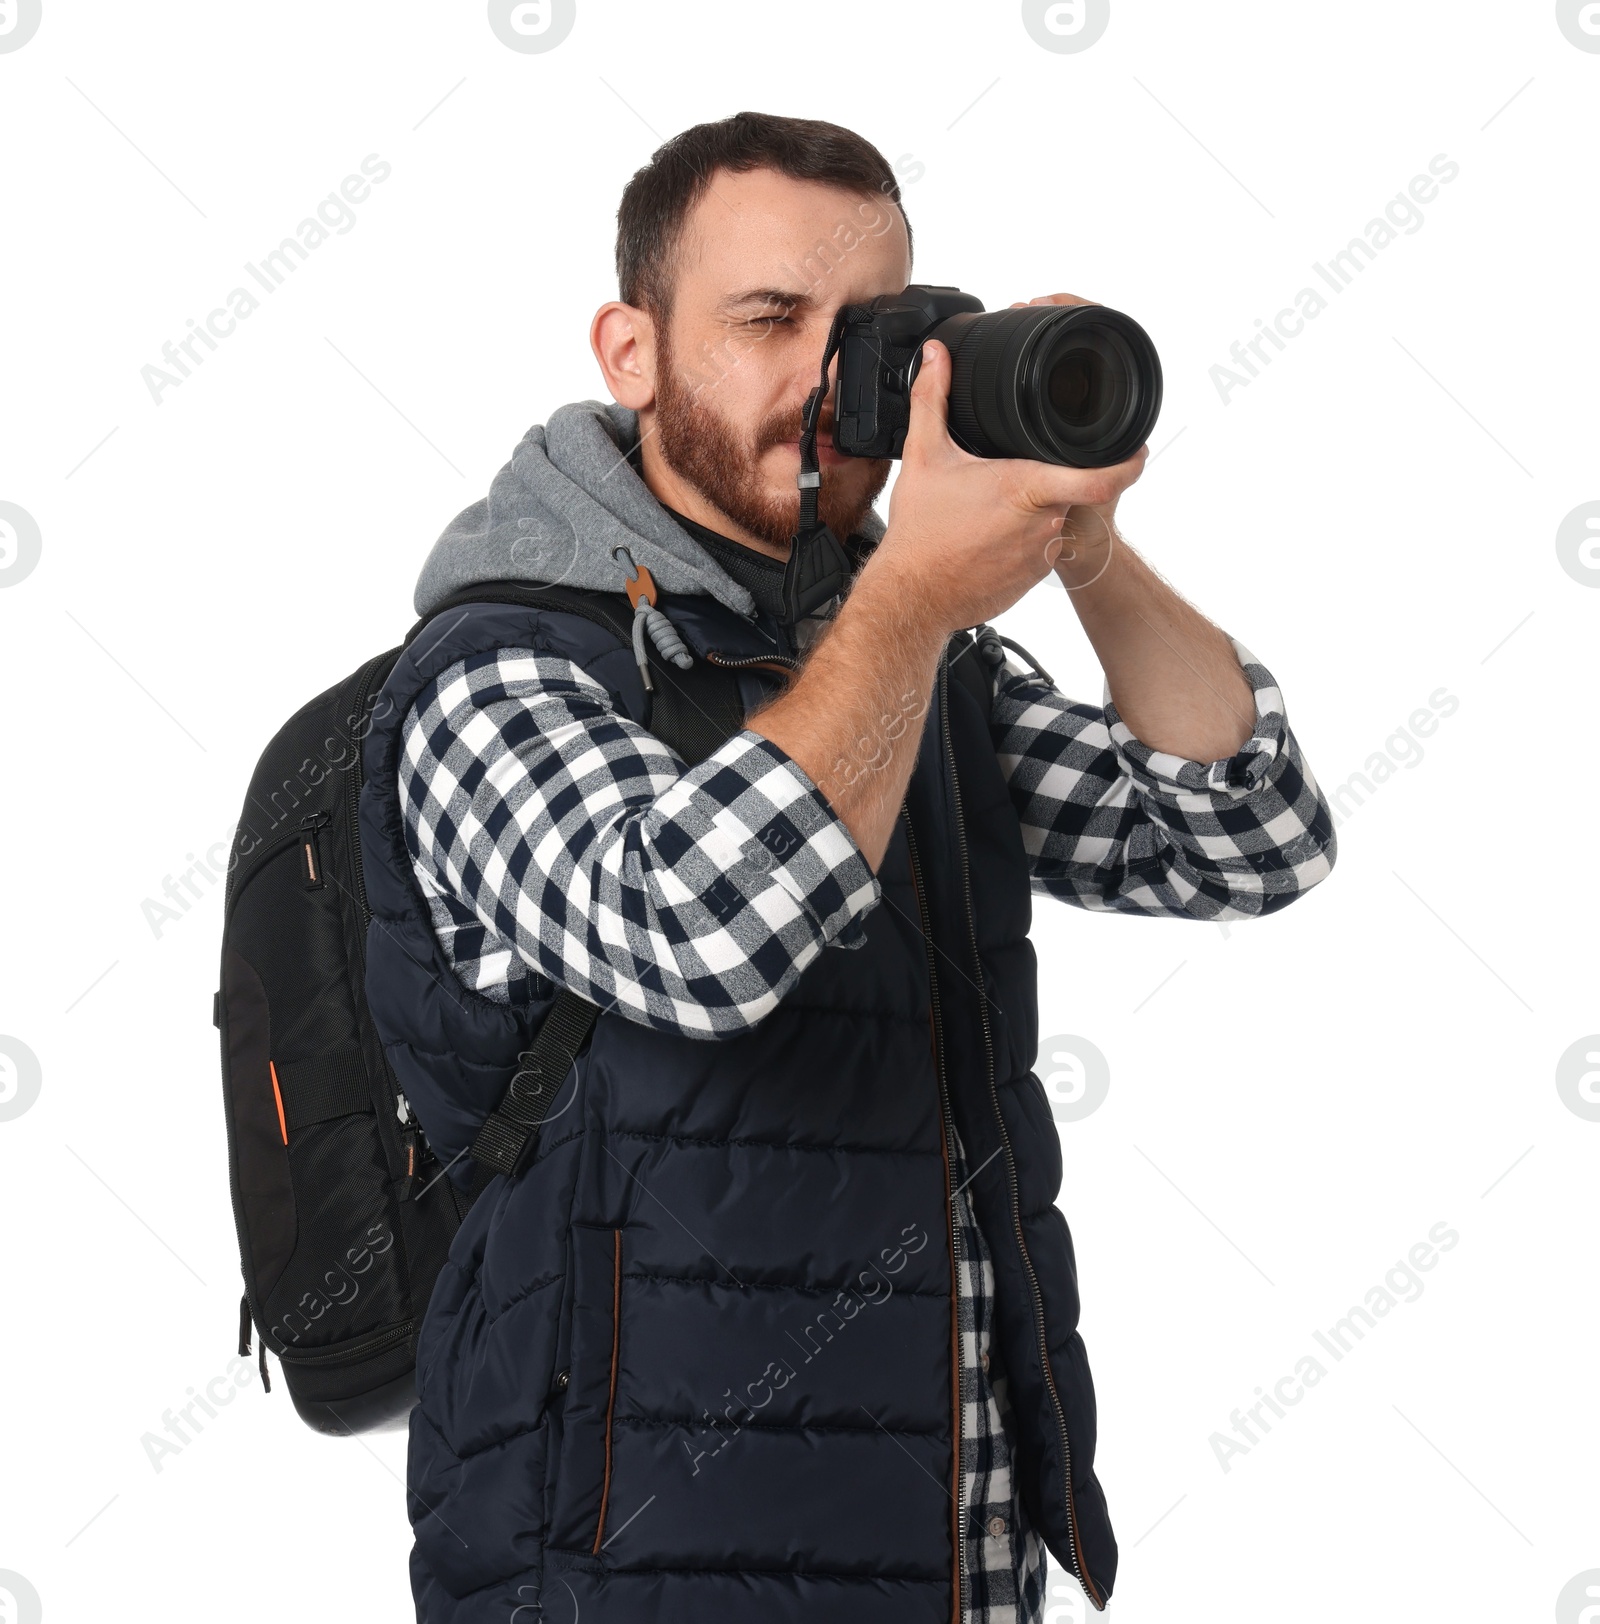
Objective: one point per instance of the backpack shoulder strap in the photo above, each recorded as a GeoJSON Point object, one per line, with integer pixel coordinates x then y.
{"type": "Point", "coordinates": [693, 711]}
{"type": "Point", "coordinates": [976, 658]}
{"type": "Point", "coordinates": [506, 1140]}
{"type": "Point", "coordinates": [603, 608]}
{"type": "Point", "coordinates": [971, 669]}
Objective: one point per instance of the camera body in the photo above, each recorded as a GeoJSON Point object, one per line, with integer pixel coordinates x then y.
{"type": "Point", "coordinates": [1076, 385]}
{"type": "Point", "coordinates": [879, 351]}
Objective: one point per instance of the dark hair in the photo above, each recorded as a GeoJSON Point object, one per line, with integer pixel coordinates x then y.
{"type": "Point", "coordinates": [657, 202]}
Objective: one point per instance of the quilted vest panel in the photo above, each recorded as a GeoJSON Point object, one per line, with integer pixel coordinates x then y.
{"type": "Point", "coordinates": [697, 1361]}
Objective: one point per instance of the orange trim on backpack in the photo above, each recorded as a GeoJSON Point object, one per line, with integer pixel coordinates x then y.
{"type": "Point", "coordinates": [283, 1127]}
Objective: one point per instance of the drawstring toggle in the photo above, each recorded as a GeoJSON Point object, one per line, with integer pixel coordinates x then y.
{"type": "Point", "coordinates": [641, 589]}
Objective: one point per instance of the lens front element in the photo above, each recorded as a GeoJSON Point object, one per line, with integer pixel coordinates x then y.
{"type": "Point", "coordinates": [1073, 384]}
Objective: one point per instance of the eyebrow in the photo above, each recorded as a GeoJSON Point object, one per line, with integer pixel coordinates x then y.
{"type": "Point", "coordinates": [787, 297]}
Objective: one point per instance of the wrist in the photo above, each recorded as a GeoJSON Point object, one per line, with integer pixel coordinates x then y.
{"type": "Point", "coordinates": [1092, 549]}
{"type": "Point", "coordinates": [894, 599]}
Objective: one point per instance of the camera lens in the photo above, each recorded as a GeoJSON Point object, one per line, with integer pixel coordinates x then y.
{"type": "Point", "coordinates": [1079, 384]}
{"type": "Point", "coordinates": [1072, 384]}
{"type": "Point", "coordinates": [1086, 387]}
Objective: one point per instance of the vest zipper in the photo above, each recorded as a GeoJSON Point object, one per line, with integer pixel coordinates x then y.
{"type": "Point", "coordinates": [772, 662]}
{"type": "Point", "coordinates": [957, 1370]}
{"type": "Point", "coordinates": [788, 665]}
{"type": "Point", "coordinates": [1073, 1549]}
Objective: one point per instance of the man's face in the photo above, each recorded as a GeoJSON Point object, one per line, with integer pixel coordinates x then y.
{"type": "Point", "coordinates": [764, 263]}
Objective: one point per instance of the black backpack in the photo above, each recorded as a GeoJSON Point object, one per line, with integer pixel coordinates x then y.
{"type": "Point", "coordinates": [344, 1214]}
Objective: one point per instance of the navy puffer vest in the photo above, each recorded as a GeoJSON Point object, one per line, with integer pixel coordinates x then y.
{"type": "Point", "coordinates": [697, 1364]}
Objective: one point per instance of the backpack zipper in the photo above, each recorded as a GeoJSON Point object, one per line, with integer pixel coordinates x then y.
{"type": "Point", "coordinates": [345, 1353]}
{"type": "Point", "coordinates": [352, 789]}
{"type": "Point", "coordinates": [957, 1370]}
{"type": "Point", "coordinates": [415, 1151]}
{"type": "Point", "coordinates": [258, 858]}
{"type": "Point", "coordinates": [1073, 1549]}
{"type": "Point", "coordinates": [310, 856]}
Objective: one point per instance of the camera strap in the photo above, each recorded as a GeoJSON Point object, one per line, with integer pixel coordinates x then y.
{"type": "Point", "coordinates": [818, 568]}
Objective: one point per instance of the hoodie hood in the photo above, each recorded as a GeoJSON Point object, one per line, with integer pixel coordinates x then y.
{"type": "Point", "coordinates": [572, 493]}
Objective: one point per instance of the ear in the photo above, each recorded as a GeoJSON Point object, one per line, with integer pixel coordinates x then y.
{"type": "Point", "coordinates": [624, 343]}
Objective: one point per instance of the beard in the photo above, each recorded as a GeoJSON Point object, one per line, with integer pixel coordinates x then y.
{"type": "Point", "coordinates": [722, 462]}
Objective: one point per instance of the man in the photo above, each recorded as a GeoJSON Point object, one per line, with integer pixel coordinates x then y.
{"type": "Point", "coordinates": [780, 1321]}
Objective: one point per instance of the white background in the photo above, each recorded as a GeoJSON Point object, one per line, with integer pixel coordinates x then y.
{"type": "Point", "coordinates": [1294, 1102]}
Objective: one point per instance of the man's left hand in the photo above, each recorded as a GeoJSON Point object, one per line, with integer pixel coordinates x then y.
{"type": "Point", "coordinates": [1089, 530]}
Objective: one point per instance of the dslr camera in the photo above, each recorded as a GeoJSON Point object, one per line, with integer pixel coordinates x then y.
{"type": "Point", "coordinates": [1078, 385]}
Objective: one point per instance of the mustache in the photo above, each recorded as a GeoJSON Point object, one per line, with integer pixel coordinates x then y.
{"type": "Point", "coordinates": [791, 431]}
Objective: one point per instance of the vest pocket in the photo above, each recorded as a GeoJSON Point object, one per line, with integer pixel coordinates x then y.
{"type": "Point", "coordinates": [583, 1486]}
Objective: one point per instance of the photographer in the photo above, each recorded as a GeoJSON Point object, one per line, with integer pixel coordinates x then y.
{"type": "Point", "coordinates": [654, 1377]}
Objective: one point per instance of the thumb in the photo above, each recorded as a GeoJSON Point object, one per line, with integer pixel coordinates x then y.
{"type": "Point", "coordinates": [928, 426]}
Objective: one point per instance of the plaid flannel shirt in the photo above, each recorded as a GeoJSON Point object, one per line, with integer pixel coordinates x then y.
{"type": "Point", "coordinates": [557, 841]}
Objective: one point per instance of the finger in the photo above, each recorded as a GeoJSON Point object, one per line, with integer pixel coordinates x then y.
{"type": "Point", "coordinates": [1061, 299]}
{"type": "Point", "coordinates": [928, 428]}
{"type": "Point", "coordinates": [1042, 485]}
{"type": "Point", "coordinates": [1128, 472]}
{"type": "Point", "coordinates": [1123, 474]}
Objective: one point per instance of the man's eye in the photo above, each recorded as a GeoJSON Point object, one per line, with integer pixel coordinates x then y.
{"type": "Point", "coordinates": [771, 321]}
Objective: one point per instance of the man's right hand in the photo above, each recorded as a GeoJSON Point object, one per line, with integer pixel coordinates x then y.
{"type": "Point", "coordinates": [968, 536]}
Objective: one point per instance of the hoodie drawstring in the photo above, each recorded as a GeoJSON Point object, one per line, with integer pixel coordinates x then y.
{"type": "Point", "coordinates": [646, 617]}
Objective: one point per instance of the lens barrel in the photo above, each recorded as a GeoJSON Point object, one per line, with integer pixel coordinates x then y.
{"type": "Point", "coordinates": [1078, 385]}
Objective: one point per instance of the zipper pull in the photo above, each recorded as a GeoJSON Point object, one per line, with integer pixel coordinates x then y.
{"type": "Point", "coordinates": [244, 1344]}
{"type": "Point", "coordinates": [310, 856]}
{"type": "Point", "coordinates": [411, 1149]}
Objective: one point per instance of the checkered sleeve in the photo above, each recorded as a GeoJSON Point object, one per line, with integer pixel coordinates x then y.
{"type": "Point", "coordinates": [567, 836]}
{"type": "Point", "coordinates": [1110, 824]}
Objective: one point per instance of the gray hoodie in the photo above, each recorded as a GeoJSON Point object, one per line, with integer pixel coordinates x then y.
{"type": "Point", "coordinates": [571, 493]}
